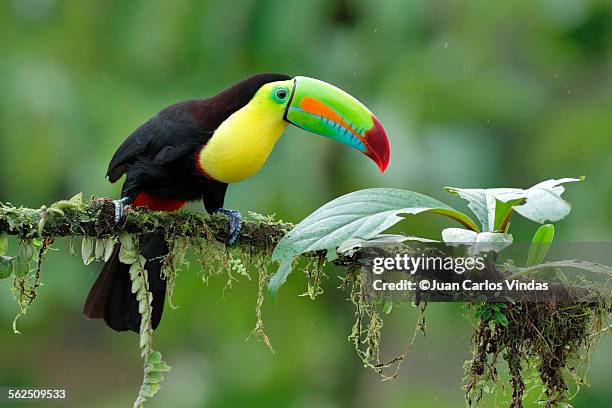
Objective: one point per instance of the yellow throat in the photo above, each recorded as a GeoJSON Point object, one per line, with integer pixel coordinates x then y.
{"type": "Point", "coordinates": [243, 142]}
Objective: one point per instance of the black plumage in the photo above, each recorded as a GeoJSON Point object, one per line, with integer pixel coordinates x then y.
{"type": "Point", "coordinates": [159, 160]}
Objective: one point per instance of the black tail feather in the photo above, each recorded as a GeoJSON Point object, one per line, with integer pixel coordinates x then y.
{"type": "Point", "coordinates": [111, 297]}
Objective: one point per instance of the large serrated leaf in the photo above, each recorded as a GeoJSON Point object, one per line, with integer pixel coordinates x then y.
{"type": "Point", "coordinates": [361, 214]}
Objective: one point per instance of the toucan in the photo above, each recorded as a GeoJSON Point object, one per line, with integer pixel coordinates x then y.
{"type": "Point", "coordinates": [193, 149]}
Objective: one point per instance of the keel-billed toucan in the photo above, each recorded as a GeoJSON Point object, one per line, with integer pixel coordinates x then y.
{"type": "Point", "coordinates": [193, 149]}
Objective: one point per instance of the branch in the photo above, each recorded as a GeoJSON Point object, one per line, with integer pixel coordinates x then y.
{"type": "Point", "coordinates": [95, 218]}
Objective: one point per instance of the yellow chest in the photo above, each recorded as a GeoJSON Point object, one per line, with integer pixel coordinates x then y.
{"type": "Point", "coordinates": [241, 144]}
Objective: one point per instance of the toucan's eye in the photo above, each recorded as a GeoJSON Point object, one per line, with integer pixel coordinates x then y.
{"type": "Point", "coordinates": [281, 94]}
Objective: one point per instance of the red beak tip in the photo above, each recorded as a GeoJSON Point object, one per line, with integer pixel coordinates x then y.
{"type": "Point", "coordinates": [378, 145]}
{"type": "Point", "coordinates": [383, 166]}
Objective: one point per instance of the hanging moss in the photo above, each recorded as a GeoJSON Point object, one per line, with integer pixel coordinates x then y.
{"type": "Point", "coordinates": [366, 334]}
{"type": "Point", "coordinates": [543, 344]}
{"type": "Point", "coordinates": [26, 269]}
{"type": "Point", "coordinates": [173, 262]}
{"type": "Point", "coordinates": [262, 283]}
{"type": "Point", "coordinates": [314, 271]}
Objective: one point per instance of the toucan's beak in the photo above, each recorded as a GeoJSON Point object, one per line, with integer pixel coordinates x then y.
{"type": "Point", "coordinates": [321, 108]}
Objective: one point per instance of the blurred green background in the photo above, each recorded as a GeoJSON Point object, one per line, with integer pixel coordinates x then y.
{"type": "Point", "coordinates": [471, 93]}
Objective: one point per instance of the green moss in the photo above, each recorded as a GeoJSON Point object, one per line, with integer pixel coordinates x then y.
{"type": "Point", "coordinates": [314, 271]}
{"type": "Point", "coordinates": [26, 274]}
{"type": "Point", "coordinates": [262, 283]}
{"type": "Point", "coordinates": [173, 262]}
{"type": "Point", "coordinates": [366, 334]}
{"type": "Point", "coordinates": [544, 345]}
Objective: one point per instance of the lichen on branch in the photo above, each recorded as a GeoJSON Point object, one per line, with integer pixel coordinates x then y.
{"type": "Point", "coordinates": [95, 218]}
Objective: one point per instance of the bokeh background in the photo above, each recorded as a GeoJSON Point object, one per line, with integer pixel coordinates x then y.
{"type": "Point", "coordinates": [471, 93]}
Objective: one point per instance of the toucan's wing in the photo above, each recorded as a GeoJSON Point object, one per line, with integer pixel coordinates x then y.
{"type": "Point", "coordinates": [173, 133]}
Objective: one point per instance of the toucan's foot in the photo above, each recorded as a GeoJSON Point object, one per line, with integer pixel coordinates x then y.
{"type": "Point", "coordinates": [120, 208]}
{"type": "Point", "coordinates": [235, 223]}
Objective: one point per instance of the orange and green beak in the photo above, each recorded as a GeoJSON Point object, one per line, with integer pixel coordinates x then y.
{"type": "Point", "coordinates": [323, 109]}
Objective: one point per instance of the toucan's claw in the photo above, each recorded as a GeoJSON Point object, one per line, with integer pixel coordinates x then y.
{"type": "Point", "coordinates": [235, 223]}
{"type": "Point", "coordinates": [120, 208]}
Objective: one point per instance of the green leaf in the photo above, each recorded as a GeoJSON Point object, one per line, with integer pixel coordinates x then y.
{"type": "Point", "coordinates": [387, 307]}
{"type": "Point", "coordinates": [74, 203]}
{"type": "Point", "coordinates": [161, 366]}
{"type": "Point", "coordinates": [26, 251]}
{"type": "Point", "coordinates": [544, 202]}
{"type": "Point", "coordinates": [126, 241]}
{"type": "Point", "coordinates": [539, 203]}
{"type": "Point", "coordinates": [127, 256]}
{"type": "Point", "coordinates": [135, 270]}
{"type": "Point", "coordinates": [153, 377]}
{"type": "Point", "coordinates": [540, 244]}
{"type": "Point", "coordinates": [6, 266]}
{"type": "Point", "coordinates": [87, 249]}
{"type": "Point", "coordinates": [144, 336]}
{"type": "Point", "coordinates": [361, 214]}
{"type": "Point", "coordinates": [109, 247]}
{"type": "Point", "coordinates": [143, 308]}
{"type": "Point", "coordinates": [481, 201]}
{"type": "Point", "coordinates": [277, 280]}
{"type": "Point", "coordinates": [501, 318]}
{"type": "Point", "coordinates": [154, 357]}
{"type": "Point", "coordinates": [21, 267]}
{"type": "Point", "coordinates": [503, 211]}
{"type": "Point", "coordinates": [3, 244]}
{"type": "Point", "coordinates": [149, 390]}
{"type": "Point", "coordinates": [136, 284]}
{"type": "Point", "coordinates": [477, 242]}
{"type": "Point", "coordinates": [100, 247]}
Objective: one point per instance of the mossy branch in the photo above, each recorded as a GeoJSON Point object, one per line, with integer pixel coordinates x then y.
{"type": "Point", "coordinates": [95, 218]}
